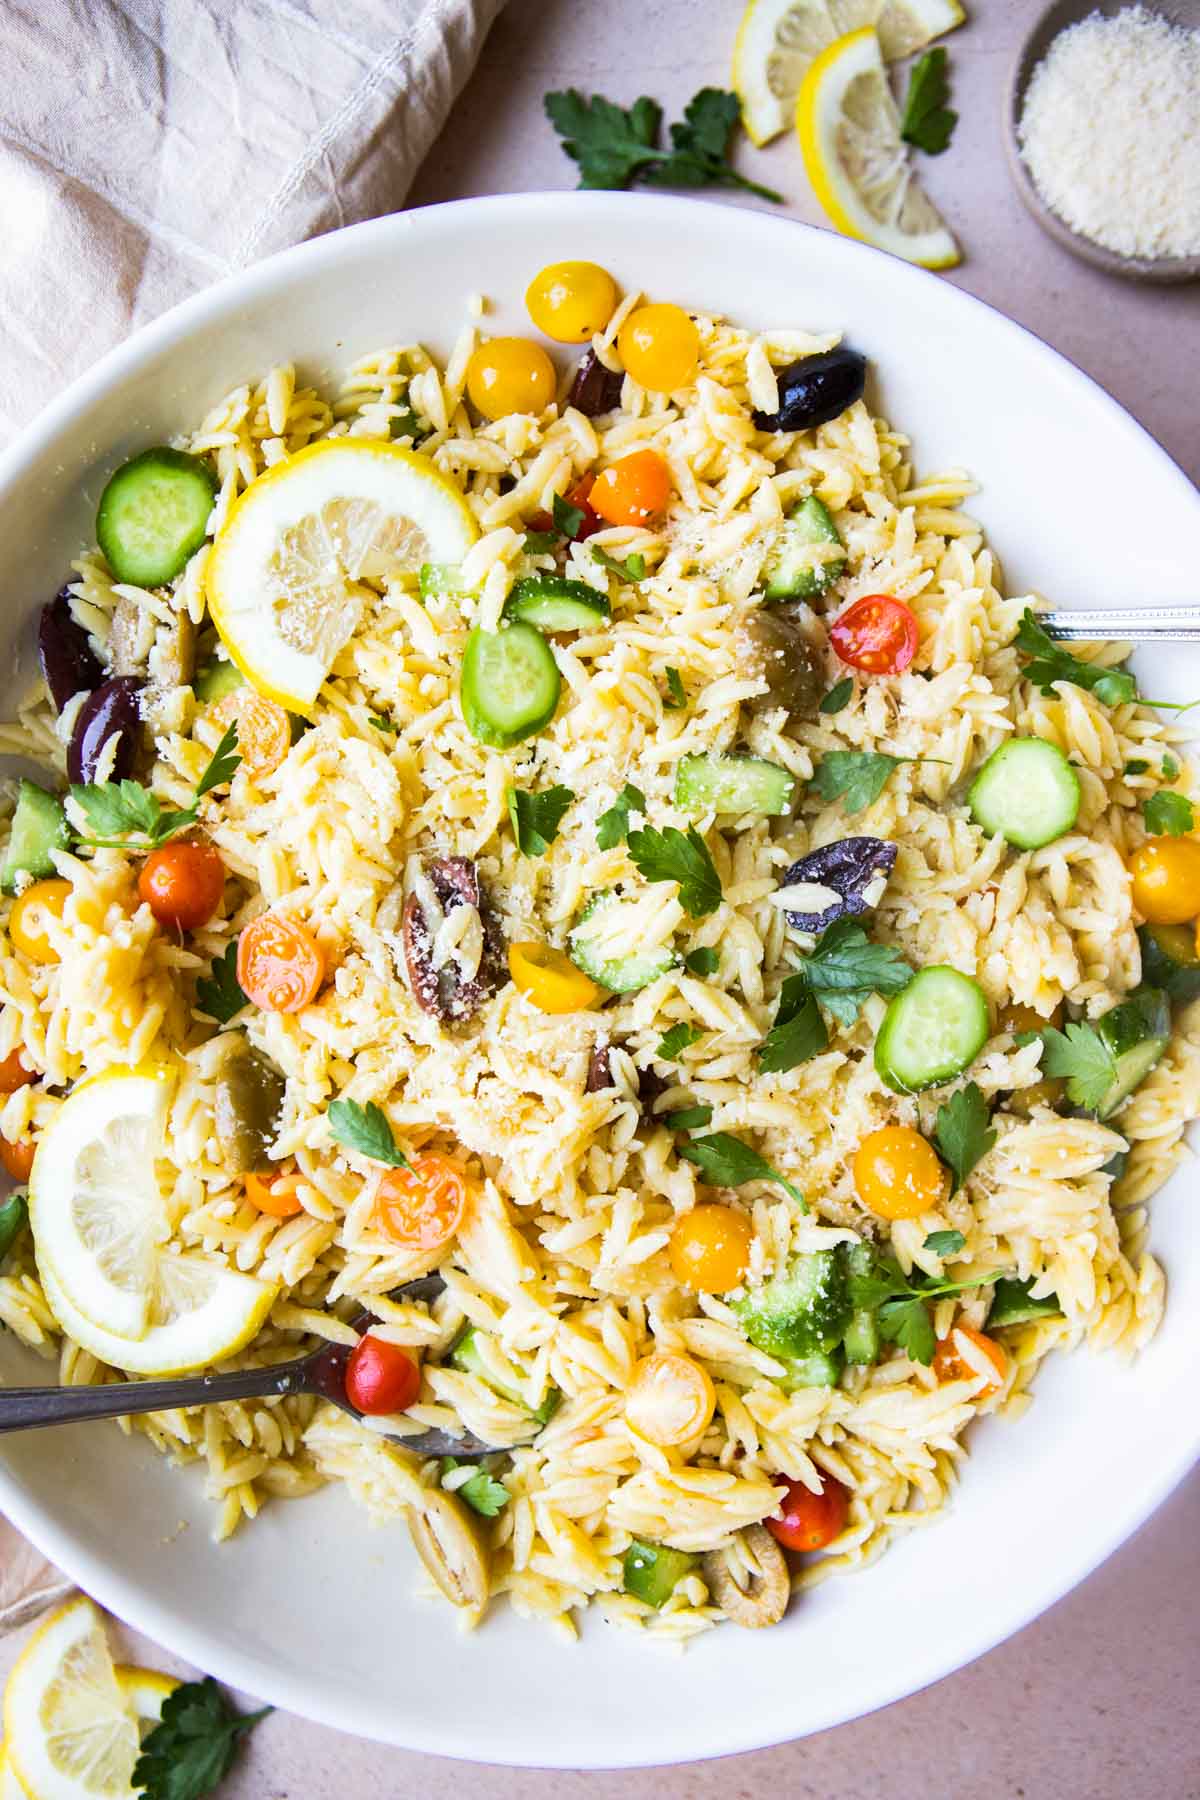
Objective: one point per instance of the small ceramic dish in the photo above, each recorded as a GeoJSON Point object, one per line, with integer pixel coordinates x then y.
{"type": "Point", "coordinates": [1052, 20]}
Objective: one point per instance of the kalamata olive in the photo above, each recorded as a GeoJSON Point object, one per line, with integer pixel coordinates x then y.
{"type": "Point", "coordinates": [815, 390]}
{"type": "Point", "coordinates": [599, 1071]}
{"type": "Point", "coordinates": [247, 1098]}
{"type": "Point", "coordinates": [69, 665]}
{"type": "Point", "coordinates": [110, 708]}
{"type": "Point", "coordinates": [853, 873]}
{"type": "Point", "coordinates": [779, 644]}
{"type": "Point", "coordinates": [595, 389]}
{"type": "Point", "coordinates": [454, 881]}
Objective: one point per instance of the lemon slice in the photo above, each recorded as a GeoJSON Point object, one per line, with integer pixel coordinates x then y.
{"type": "Point", "coordinates": [849, 132]}
{"type": "Point", "coordinates": [143, 1691]}
{"type": "Point", "coordinates": [10, 1787]}
{"type": "Point", "coordinates": [777, 40]}
{"type": "Point", "coordinates": [69, 1733]}
{"type": "Point", "coordinates": [227, 1310]}
{"type": "Point", "coordinates": [286, 574]}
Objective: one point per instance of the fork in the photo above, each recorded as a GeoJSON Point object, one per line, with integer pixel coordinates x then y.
{"type": "Point", "coordinates": [1139, 625]}
{"type": "Point", "coordinates": [321, 1372]}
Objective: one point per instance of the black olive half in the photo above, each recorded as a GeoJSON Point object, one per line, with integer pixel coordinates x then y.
{"type": "Point", "coordinates": [69, 664]}
{"type": "Point", "coordinates": [110, 708]}
{"type": "Point", "coordinates": [595, 389]}
{"type": "Point", "coordinates": [815, 390]}
{"type": "Point", "coordinates": [848, 868]}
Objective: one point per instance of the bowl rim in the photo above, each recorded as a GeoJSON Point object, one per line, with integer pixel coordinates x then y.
{"type": "Point", "coordinates": [145, 1608]}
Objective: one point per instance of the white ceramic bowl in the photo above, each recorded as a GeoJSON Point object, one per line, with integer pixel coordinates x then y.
{"type": "Point", "coordinates": [309, 1607]}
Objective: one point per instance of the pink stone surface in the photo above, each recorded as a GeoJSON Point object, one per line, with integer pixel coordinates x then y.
{"type": "Point", "coordinates": [1098, 1700]}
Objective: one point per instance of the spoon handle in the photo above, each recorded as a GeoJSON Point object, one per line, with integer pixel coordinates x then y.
{"type": "Point", "coordinates": [1137, 624]}
{"type": "Point", "coordinates": [22, 1409]}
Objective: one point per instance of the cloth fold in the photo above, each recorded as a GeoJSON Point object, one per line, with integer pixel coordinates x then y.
{"type": "Point", "coordinates": [148, 147]}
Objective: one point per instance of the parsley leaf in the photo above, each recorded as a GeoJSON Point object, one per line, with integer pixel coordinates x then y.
{"type": "Point", "coordinates": [702, 962]}
{"type": "Point", "coordinates": [115, 809]}
{"type": "Point", "coordinates": [1171, 814]}
{"type": "Point", "coordinates": [846, 967]}
{"type": "Point", "coordinates": [365, 1129]}
{"type": "Point", "coordinates": [615, 145]}
{"type": "Point", "coordinates": [676, 694]}
{"type": "Point", "coordinates": [567, 518]}
{"type": "Point", "coordinates": [1051, 662]}
{"type": "Point", "coordinates": [1136, 766]}
{"type": "Point", "coordinates": [688, 1118]}
{"type": "Point", "coordinates": [900, 1305]}
{"type": "Point", "coordinates": [388, 726]}
{"type": "Point", "coordinates": [632, 569]}
{"type": "Point", "coordinates": [1170, 767]}
{"type": "Point", "coordinates": [856, 777]}
{"type": "Point", "coordinates": [798, 1033]}
{"type": "Point", "coordinates": [14, 1211]}
{"type": "Point", "coordinates": [219, 994]}
{"type": "Point", "coordinates": [1081, 1056]}
{"type": "Point", "coordinates": [928, 122]}
{"type": "Point", "coordinates": [482, 1492]}
{"type": "Point", "coordinates": [725, 1161]}
{"type": "Point", "coordinates": [673, 855]}
{"type": "Point", "coordinates": [700, 148]}
{"type": "Point", "coordinates": [224, 764]}
{"type": "Point", "coordinates": [673, 1043]}
{"type": "Point", "coordinates": [537, 817]}
{"type": "Point", "coordinates": [837, 696]}
{"type": "Point", "coordinates": [944, 1243]}
{"type": "Point", "coordinates": [540, 543]}
{"type": "Point", "coordinates": [612, 825]}
{"type": "Point", "coordinates": [907, 1322]}
{"type": "Point", "coordinates": [963, 1132]}
{"type": "Point", "coordinates": [193, 1748]}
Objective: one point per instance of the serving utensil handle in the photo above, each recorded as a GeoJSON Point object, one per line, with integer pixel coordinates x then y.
{"type": "Point", "coordinates": [1137, 624]}
{"type": "Point", "coordinates": [24, 1409]}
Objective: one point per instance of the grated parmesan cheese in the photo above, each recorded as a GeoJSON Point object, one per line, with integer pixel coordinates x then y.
{"type": "Point", "coordinates": [1110, 132]}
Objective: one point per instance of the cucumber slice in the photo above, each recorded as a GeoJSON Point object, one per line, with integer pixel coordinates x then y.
{"type": "Point", "coordinates": [861, 1342]}
{"type": "Point", "coordinates": [932, 1031]}
{"type": "Point", "coordinates": [790, 573]}
{"type": "Point", "coordinates": [216, 679]}
{"type": "Point", "coordinates": [802, 1310]}
{"type": "Point", "coordinates": [733, 784]}
{"type": "Point", "coordinates": [553, 603]}
{"type": "Point", "coordinates": [822, 1369]}
{"type": "Point", "coordinates": [623, 974]}
{"type": "Point", "coordinates": [153, 515]}
{"type": "Point", "coordinates": [1026, 792]}
{"type": "Point", "coordinates": [39, 826]}
{"type": "Point", "coordinates": [465, 1355]}
{"type": "Point", "coordinates": [653, 1571]}
{"type": "Point", "coordinates": [510, 684]}
{"type": "Point", "coordinates": [1011, 1304]}
{"type": "Point", "coordinates": [437, 579]}
{"type": "Point", "coordinates": [1136, 1033]}
{"type": "Point", "coordinates": [1170, 960]}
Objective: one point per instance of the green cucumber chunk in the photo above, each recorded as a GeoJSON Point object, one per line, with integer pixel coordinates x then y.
{"type": "Point", "coordinates": [437, 579]}
{"type": "Point", "coordinates": [39, 826]}
{"type": "Point", "coordinates": [653, 1571]}
{"type": "Point", "coordinates": [13, 1214]}
{"type": "Point", "coordinates": [932, 1031]}
{"type": "Point", "coordinates": [153, 515]}
{"type": "Point", "coordinates": [1136, 1033]}
{"type": "Point", "coordinates": [1170, 959]}
{"type": "Point", "coordinates": [1012, 1305]}
{"type": "Point", "coordinates": [622, 974]}
{"type": "Point", "coordinates": [1026, 792]}
{"type": "Point", "coordinates": [861, 1342]}
{"type": "Point", "coordinates": [791, 573]}
{"type": "Point", "coordinates": [733, 784]}
{"type": "Point", "coordinates": [466, 1356]}
{"type": "Point", "coordinates": [510, 684]}
{"type": "Point", "coordinates": [216, 679]}
{"type": "Point", "coordinates": [802, 1310]}
{"type": "Point", "coordinates": [553, 603]}
{"type": "Point", "coordinates": [823, 1368]}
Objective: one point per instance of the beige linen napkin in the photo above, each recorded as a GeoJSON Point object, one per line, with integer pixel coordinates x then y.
{"type": "Point", "coordinates": [148, 147]}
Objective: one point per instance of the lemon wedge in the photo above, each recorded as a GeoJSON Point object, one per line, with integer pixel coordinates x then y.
{"type": "Point", "coordinates": [68, 1730]}
{"type": "Point", "coordinates": [143, 1691]}
{"type": "Point", "coordinates": [285, 580]}
{"type": "Point", "coordinates": [849, 132]}
{"type": "Point", "coordinates": [777, 40]}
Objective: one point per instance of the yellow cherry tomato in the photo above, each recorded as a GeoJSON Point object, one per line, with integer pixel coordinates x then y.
{"type": "Point", "coordinates": [710, 1247]}
{"type": "Point", "coordinates": [571, 301]}
{"type": "Point", "coordinates": [898, 1173]}
{"type": "Point", "coordinates": [510, 375]}
{"type": "Point", "coordinates": [550, 979]}
{"type": "Point", "coordinates": [632, 491]}
{"type": "Point", "coordinates": [1166, 880]}
{"type": "Point", "coordinates": [660, 347]}
{"type": "Point", "coordinates": [27, 922]}
{"type": "Point", "coordinates": [670, 1400]}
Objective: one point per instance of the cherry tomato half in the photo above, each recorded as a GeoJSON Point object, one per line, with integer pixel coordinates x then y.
{"type": "Point", "coordinates": [422, 1207]}
{"type": "Point", "coordinates": [632, 491]}
{"type": "Point", "coordinates": [15, 1073]}
{"type": "Point", "coordinates": [28, 925]}
{"type": "Point", "coordinates": [280, 964]}
{"type": "Point", "coordinates": [876, 634]}
{"type": "Point", "coordinates": [17, 1157]}
{"type": "Point", "coordinates": [808, 1521]}
{"type": "Point", "coordinates": [182, 884]}
{"type": "Point", "coordinates": [381, 1377]}
{"type": "Point", "coordinates": [949, 1364]}
{"type": "Point", "coordinates": [273, 1193]}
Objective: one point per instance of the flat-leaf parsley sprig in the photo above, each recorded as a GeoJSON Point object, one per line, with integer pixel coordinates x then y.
{"type": "Point", "coordinates": [192, 1749]}
{"type": "Point", "coordinates": [901, 1304]}
{"type": "Point", "coordinates": [616, 145]}
{"type": "Point", "coordinates": [366, 1130]}
{"type": "Point", "coordinates": [725, 1161]}
{"type": "Point", "coordinates": [118, 811]}
{"type": "Point", "coordinates": [674, 855]}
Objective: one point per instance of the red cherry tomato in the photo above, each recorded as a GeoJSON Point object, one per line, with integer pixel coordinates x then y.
{"type": "Point", "coordinates": [876, 634]}
{"type": "Point", "coordinates": [380, 1377]}
{"type": "Point", "coordinates": [808, 1521]}
{"type": "Point", "coordinates": [578, 496]}
{"type": "Point", "coordinates": [182, 884]}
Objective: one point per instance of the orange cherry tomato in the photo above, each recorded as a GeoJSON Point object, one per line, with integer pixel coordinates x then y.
{"type": "Point", "coordinates": [264, 729]}
{"type": "Point", "coordinates": [898, 1173]}
{"type": "Point", "coordinates": [17, 1157]}
{"type": "Point", "coordinates": [510, 375]}
{"type": "Point", "coordinates": [571, 301]}
{"type": "Point", "coordinates": [949, 1364]}
{"type": "Point", "coordinates": [27, 922]}
{"type": "Point", "coordinates": [280, 964]}
{"type": "Point", "coordinates": [182, 883]}
{"type": "Point", "coordinates": [632, 491]}
{"type": "Point", "coordinates": [381, 1377]}
{"type": "Point", "coordinates": [710, 1248]}
{"type": "Point", "coordinates": [876, 634]}
{"type": "Point", "coordinates": [660, 347]}
{"type": "Point", "coordinates": [1016, 1016]}
{"type": "Point", "coordinates": [273, 1193]}
{"type": "Point", "coordinates": [1166, 880]}
{"type": "Point", "coordinates": [670, 1399]}
{"type": "Point", "coordinates": [808, 1521]}
{"type": "Point", "coordinates": [423, 1206]}
{"type": "Point", "coordinates": [14, 1073]}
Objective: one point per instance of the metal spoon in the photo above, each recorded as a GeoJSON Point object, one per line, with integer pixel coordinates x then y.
{"type": "Point", "coordinates": [1140, 624]}
{"type": "Point", "coordinates": [321, 1372]}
